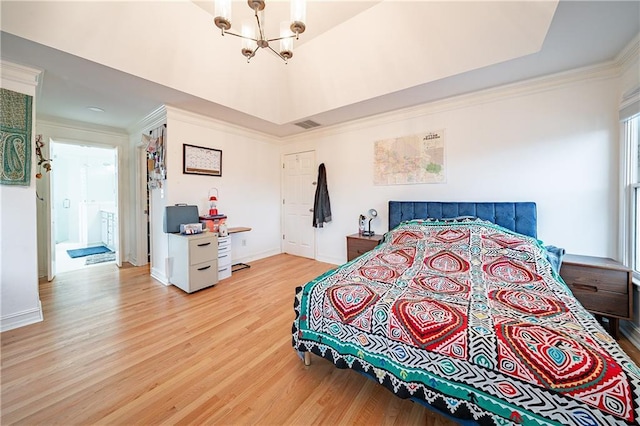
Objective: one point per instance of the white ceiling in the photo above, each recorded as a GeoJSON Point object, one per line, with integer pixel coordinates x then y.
{"type": "Point", "coordinates": [382, 66]}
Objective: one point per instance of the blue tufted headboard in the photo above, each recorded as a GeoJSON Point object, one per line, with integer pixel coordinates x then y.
{"type": "Point", "coordinates": [517, 216]}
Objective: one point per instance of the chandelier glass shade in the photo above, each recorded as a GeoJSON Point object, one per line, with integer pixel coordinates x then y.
{"type": "Point", "coordinates": [253, 33]}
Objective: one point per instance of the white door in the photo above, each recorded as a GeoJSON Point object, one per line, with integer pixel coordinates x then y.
{"type": "Point", "coordinates": [118, 243]}
{"type": "Point", "coordinates": [299, 181]}
{"type": "Point", "coordinates": [143, 246]}
{"type": "Point", "coordinates": [50, 216]}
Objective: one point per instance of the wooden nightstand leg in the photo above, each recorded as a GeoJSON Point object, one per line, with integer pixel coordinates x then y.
{"type": "Point", "coordinates": [614, 328]}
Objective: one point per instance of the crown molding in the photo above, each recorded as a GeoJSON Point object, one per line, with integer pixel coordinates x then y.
{"type": "Point", "coordinates": [154, 119]}
{"type": "Point", "coordinates": [606, 70]}
{"type": "Point", "coordinates": [61, 123]}
{"type": "Point", "coordinates": [222, 126]}
{"type": "Point", "coordinates": [20, 73]}
{"type": "Point", "coordinates": [629, 55]}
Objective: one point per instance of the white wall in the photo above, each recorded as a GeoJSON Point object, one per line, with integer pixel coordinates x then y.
{"type": "Point", "coordinates": [19, 297]}
{"type": "Point", "coordinates": [248, 190]}
{"type": "Point", "coordinates": [552, 141]}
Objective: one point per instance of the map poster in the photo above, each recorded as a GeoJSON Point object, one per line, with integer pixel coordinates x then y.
{"type": "Point", "coordinates": [409, 159]}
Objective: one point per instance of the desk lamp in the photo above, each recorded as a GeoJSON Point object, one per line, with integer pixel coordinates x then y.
{"type": "Point", "coordinates": [372, 215]}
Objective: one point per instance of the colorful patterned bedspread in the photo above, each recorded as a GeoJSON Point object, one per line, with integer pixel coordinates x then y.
{"type": "Point", "coordinates": [469, 318]}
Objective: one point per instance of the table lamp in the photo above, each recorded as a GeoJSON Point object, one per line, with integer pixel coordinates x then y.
{"type": "Point", "coordinates": [372, 215]}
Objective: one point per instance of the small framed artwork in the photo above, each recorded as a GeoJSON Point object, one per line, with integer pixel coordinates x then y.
{"type": "Point", "coordinates": [198, 160]}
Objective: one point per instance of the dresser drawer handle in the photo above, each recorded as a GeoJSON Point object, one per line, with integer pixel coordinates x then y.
{"type": "Point", "coordinates": [203, 244]}
{"type": "Point", "coordinates": [586, 287]}
{"type": "Point", "coordinates": [204, 268]}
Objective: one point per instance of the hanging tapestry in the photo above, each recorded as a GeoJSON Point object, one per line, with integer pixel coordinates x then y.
{"type": "Point", "coordinates": [409, 159]}
{"type": "Point", "coordinates": [15, 138]}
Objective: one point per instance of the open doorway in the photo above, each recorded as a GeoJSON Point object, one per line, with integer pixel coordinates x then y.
{"type": "Point", "coordinates": [84, 193]}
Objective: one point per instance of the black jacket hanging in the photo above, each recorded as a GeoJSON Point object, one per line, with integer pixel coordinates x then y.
{"type": "Point", "coordinates": [321, 205]}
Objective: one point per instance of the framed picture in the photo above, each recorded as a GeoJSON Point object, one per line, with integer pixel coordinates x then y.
{"type": "Point", "coordinates": [198, 160]}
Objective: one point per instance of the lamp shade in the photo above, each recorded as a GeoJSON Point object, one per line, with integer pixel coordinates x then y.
{"type": "Point", "coordinates": [298, 16]}
{"type": "Point", "coordinates": [286, 41]}
{"type": "Point", "coordinates": [254, 34]}
{"type": "Point", "coordinates": [223, 14]}
{"type": "Point", "coordinates": [249, 44]}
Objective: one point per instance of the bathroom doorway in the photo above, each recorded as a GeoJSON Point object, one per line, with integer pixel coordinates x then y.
{"type": "Point", "coordinates": [84, 211]}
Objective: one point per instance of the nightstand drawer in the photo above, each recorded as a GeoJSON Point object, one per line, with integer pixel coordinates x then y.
{"type": "Point", "coordinates": [602, 285]}
{"type": "Point", "coordinates": [358, 245]}
{"type": "Point", "coordinates": [604, 303]}
{"type": "Point", "coordinates": [590, 279]}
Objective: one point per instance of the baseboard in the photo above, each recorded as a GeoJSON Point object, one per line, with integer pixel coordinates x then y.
{"type": "Point", "coordinates": [160, 276]}
{"type": "Point", "coordinates": [135, 262]}
{"type": "Point", "coordinates": [631, 332]}
{"type": "Point", "coordinates": [257, 256]}
{"type": "Point", "coordinates": [20, 319]}
{"type": "Point", "coordinates": [331, 260]}
{"type": "Point", "coordinates": [269, 253]}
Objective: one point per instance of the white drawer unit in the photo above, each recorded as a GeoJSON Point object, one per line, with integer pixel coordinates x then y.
{"type": "Point", "coordinates": [194, 261]}
{"type": "Point", "coordinates": [108, 228]}
{"type": "Point", "coordinates": [224, 257]}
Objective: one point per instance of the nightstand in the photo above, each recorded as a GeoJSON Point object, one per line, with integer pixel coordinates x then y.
{"type": "Point", "coordinates": [602, 285]}
{"type": "Point", "coordinates": [358, 244]}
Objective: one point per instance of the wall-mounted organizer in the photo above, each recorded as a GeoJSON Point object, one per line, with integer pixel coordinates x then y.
{"type": "Point", "coordinates": [155, 148]}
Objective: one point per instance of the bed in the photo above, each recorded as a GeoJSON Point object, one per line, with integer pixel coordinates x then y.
{"type": "Point", "coordinates": [460, 309]}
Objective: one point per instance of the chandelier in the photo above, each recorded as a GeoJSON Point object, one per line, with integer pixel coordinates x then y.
{"type": "Point", "coordinates": [254, 37]}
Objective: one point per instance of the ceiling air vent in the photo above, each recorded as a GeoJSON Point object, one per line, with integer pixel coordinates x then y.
{"type": "Point", "coordinates": [307, 124]}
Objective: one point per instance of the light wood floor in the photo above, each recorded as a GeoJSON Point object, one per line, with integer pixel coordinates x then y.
{"type": "Point", "coordinates": [117, 347]}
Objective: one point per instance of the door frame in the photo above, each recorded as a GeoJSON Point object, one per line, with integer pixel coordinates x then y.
{"type": "Point", "coordinates": [50, 239]}
{"type": "Point", "coordinates": [142, 250]}
{"type": "Point", "coordinates": [141, 217]}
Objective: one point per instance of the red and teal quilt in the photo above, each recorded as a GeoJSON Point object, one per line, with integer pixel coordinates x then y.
{"type": "Point", "coordinates": [471, 319]}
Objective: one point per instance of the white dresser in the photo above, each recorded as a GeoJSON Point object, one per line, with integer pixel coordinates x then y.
{"type": "Point", "coordinates": [194, 261]}
{"type": "Point", "coordinates": [224, 257]}
{"type": "Point", "coordinates": [108, 228]}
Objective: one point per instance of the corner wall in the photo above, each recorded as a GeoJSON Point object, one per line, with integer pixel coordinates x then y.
{"type": "Point", "coordinates": [19, 296]}
{"type": "Point", "coordinates": [248, 190]}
